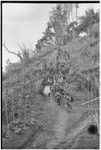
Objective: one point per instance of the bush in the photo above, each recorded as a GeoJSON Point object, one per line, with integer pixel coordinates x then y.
{"type": "Point", "coordinates": [94, 31]}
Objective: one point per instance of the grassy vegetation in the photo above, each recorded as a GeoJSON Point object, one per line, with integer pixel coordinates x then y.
{"type": "Point", "coordinates": [24, 106]}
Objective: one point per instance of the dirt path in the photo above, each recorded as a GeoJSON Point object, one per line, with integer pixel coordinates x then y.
{"type": "Point", "coordinates": [68, 142]}
{"type": "Point", "coordinates": [78, 129]}
{"type": "Point", "coordinates": [60, 126]}
{"type": "Point", "coordinates": [63, 122]}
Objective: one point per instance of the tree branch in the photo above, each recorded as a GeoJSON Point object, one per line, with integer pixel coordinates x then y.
{"type": "Point", "coordinates": [17, 54]}
{"type": "Point", "coordinates": [9, 50]}
{"type": "Point", "coordinates": [91, 101]}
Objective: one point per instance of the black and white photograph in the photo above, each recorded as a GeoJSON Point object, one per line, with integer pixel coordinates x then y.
{"type": "Point", "coordinates": [50, 88]}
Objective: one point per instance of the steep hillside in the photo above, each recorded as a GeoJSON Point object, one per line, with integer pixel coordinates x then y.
{"type": "Point", "coordinates": [25, 102]}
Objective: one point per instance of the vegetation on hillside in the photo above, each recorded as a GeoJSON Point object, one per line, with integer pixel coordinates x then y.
{"type": "Point", "coordinates": [71, 60]}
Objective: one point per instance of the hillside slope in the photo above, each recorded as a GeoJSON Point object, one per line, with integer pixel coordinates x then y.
{"type": "Point", "coordinates": [46, 118]}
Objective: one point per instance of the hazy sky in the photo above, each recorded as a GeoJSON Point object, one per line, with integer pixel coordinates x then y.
{"type": "Point", "coordinates": [24, 23]}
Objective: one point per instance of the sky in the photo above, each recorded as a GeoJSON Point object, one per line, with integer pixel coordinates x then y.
{"type": "Point", "coordinates": [25, 23]}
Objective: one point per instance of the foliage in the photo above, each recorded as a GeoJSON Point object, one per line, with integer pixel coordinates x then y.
{"type": "Point", "coordinates": [24, 83]}
{"type": "Point", "coordinates": [24, 57]}
{"type": "Point", "coordinates": [47, 38]}
{"type": "Point", "coordinates": [55, 32]}
{"type": "Point", "coordinates": [88, 20]}
{"type": "Point", "coordinates": [23, 103]}
{"type": "Point", "coordinates": [60, 30]}
{"type": "Point", "coordinates": [94, 31]}
{"type": "Point", "coordinates": [12, 68]}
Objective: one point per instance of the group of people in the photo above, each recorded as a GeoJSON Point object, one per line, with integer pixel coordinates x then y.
{"type": "Point", "coordinates": [54, 88]}
{"type": "Point", "coordinates": [62, 96]}
{"type": "Point", "coordinates": [55, 76]}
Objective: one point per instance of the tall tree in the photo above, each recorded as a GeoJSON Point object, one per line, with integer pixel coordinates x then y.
{"type": "Point", "coordinates": [55, 30]}
{"type": "Point", "coordinates": [57, 20]}
{"type": "Point", "coordinates": [68, 8]}
{"type": "Point", "coordinates": [76, 8]}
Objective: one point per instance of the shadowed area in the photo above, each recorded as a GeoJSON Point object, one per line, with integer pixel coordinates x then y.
{"type": "Point", "coordinates": [92, 129]}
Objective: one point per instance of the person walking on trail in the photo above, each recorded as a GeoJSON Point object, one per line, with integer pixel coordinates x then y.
{"type": "Point", "coordinates": [47, 91]}
{"type": "Point", "coordinates": [47, 83]}
{"type": "Point", "coordinates": [58, 98]}
{"type": "Point", "coordinates": [68, 104]}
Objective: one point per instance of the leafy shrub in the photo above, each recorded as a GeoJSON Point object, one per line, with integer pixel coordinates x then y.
{"type": "Point", "coordinates": [94, 31]}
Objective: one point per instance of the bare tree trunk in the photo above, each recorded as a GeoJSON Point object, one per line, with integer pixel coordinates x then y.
{"type": "Point", "coordinates": [71, 11]}
{"type": "Point", "coordinates": [76, 6]}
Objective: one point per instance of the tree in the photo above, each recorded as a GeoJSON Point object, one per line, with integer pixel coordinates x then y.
{"type": "Point", "coordinates": [68, 9]}
{"type": "Point", "coordinates": [71, 11]}
{"type": "Point", "coordinates": [55, 30]}
{"type": "Point", "coordinates": [17, 54]}
{"type": "Point", "coordinates": [76, 7]}
{"type": "Point", "coordinates": [88, 20]}
{"type": "Point", "coordinates": [48, 38]}
{"type": "Point", "coordinates": [24, 55]}
{"type": "Point", "coordinates": [57, 20]}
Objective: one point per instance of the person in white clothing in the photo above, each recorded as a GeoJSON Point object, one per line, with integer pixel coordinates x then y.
{"type": "Point", "coordinates": [47, 91]}
{"type": "Point", "coordinates": [47, 83]}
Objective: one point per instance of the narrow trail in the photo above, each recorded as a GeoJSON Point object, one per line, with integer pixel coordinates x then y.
{"type": "Point", "coordinates": [60, 126]}
{"type": "Point", "coordinates": [63, 121]}
{"type": "Point", "coordinates": [68, 142]}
